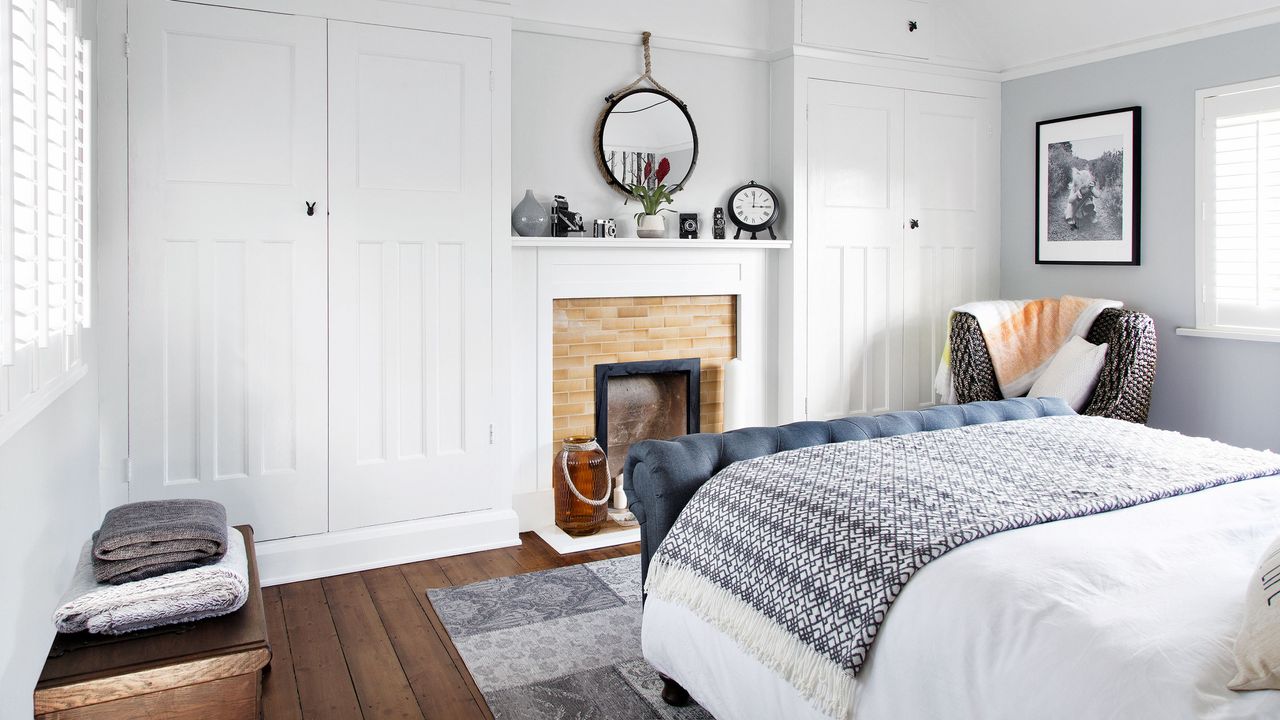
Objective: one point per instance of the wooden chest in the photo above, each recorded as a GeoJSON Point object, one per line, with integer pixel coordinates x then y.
{"type": "Point", "coordinates": [208, 670]}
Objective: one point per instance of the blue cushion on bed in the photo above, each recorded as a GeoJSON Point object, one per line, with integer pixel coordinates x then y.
{"type": "Point", "coordinates": [661, 476]}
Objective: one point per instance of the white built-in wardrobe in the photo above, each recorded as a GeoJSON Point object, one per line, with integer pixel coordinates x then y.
{"type": "Point", "coordinates": [900, 221]}
{"type": "Point", "coordinates": [310, 267]}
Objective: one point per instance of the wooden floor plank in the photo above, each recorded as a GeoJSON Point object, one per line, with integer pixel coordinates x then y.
{"type": "Point", "coordinates": [455, 656]}
{"type": "Point", "coordinates": [436, 681]}
{"type": "Point", "coordinates": [374, 638]}
{"type": "Point", "coordinates": [324, 683]}
{"type": "Point", "coordinates": [279, 686]}
{"type": "Point", "coordinates": [474, 567]}
{"type": "Point", "coordinates": [380, 682]}
{"type": "Point", "coordinates": [425, 575]}
{"type": "Point", "coordinates": [534, 554]}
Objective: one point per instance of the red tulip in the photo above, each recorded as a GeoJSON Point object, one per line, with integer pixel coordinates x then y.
{"type": "Point", "coordinates": [664, 167]}
{"type": "Point", "coordinates": [648, 170]}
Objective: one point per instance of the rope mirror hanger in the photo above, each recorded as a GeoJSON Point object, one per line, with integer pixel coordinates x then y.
{"type": "Point", "coordinates": [638, 86]}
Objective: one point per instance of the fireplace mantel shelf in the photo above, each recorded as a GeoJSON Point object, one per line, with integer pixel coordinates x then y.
{"type": "Point", "coordinates": [634, 243]}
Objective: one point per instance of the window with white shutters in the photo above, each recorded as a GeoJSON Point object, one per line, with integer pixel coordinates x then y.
{"type": "Point", "coordinates": [45, 104]}
{"type": "Point", "coordinates": [1238, 188]}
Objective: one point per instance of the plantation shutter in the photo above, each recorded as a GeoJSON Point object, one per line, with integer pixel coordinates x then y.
{"type": "Point", "coordinates": [1242, 212]}
{"type": "Point", "coordinates": [45, 105]}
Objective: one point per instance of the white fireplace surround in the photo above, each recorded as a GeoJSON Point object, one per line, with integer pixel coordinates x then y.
{"type": "Point", "coordinates": [544, 274]}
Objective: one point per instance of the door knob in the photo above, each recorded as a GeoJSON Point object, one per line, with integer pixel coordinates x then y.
{"type": "Point", "coordinates": [914, 223]}
{"type": "Point", "coordinates": [311, 208]}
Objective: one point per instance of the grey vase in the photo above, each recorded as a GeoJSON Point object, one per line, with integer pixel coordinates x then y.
{"type": "Point", "coordinates": [529, 218]}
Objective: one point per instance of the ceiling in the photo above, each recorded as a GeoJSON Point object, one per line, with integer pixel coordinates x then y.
{"type": "Point", "coordinates": [1022, 34]}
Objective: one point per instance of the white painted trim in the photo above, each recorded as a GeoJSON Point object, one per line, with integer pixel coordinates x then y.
{"type": "Point", "coordinates": [29, 407]}
{"type": "Point", "coordinates": [536, 509]}
{"type": "Point", "coordinates": [634, 243]}
{"type": "Point", "coordinates": [1151, 42]}
{"type": "Point", "coordinates": [541, 27]}
{"type": "Point", "coordinates": [1226, 334]}
{"type": "Point", "coordinates": [326, 554]}
{"type": "Point", "coordinates": [889, 62]}
{"type": "Point", "coordinates": [564, 543]}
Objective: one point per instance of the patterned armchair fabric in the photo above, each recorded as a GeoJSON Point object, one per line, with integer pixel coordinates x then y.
{"type": "Point", "coordinates": [1124, 387]}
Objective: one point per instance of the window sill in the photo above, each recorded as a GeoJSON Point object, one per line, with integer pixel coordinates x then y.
{"type": "Point", "coordinates": [1254, 335]}
{"type": "Point", "coordinates": [19, 417]}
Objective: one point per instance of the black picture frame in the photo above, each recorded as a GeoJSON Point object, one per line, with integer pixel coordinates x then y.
{"type": "Point", "coordinates": [1106, 239]}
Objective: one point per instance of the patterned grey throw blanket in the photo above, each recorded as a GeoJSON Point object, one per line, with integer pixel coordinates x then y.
{"type": "Point", "coordinates": [798, 556]}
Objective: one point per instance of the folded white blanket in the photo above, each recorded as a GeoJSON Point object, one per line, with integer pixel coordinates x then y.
{"type": "Point", "coordinates": [178, 597]}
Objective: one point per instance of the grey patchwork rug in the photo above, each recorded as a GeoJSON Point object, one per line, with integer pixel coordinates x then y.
{"type": "Point", "coordinates": [562, 644]}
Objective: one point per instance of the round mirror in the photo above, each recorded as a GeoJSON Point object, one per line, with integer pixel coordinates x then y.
{"type": "Point", "coordinates": [645, 126]}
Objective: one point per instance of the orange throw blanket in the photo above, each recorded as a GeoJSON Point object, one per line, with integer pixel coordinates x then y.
{"type": "Point", "coordinates": [1022, 336]}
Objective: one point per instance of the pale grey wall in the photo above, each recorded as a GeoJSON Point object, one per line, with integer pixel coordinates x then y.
{"type": "Point", "coordinates": [1225, 389]}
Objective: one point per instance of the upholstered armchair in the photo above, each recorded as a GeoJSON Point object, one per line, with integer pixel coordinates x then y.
{"type": "Point", "coordinates": [1124, 386]}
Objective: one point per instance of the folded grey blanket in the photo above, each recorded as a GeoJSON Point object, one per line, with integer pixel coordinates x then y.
{"type": "Point", "coordinates": [178, 597]}
{"type": "Point", "coordinates": [154, 537]}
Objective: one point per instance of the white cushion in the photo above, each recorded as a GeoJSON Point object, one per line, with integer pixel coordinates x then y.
{"type": "Point", "coordinates": [1072, 374]}
{"type": "Point", "coordinates": [1258, 644]}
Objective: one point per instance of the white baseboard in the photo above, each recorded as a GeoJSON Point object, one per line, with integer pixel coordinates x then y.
{"type": "Point", "coordinates": [536, 509]}
{"type": "Point", "coordinates": [335, 553]}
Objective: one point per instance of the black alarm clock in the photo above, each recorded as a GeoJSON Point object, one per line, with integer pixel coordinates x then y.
{"type": "Point", "coordinates": [754, 208]}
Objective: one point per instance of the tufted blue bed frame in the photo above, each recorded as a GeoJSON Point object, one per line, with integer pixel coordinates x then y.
{"type": "Point", "coordinates": [661, 476]}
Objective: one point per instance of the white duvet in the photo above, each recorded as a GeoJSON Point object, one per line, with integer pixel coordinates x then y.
{"type": "Point", "coordinates": [1129, 615]}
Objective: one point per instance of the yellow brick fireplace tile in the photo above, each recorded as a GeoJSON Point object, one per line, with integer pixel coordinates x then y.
{"type": "Point", "coordinates": [617, 323]}
{"type": "Point", "coordinates": [691, 331]}
{"type": "Point", "coordinates": [569, 337]}
{"type": "Point", "coordinates": [648, 301]}
{"type": "Point", "coordinates": [644, 323]}
{"type": "Point", "coordinates": [567, 362]}
{"type": "Point", "coordinates": [723, 331]}
{"type": "Point", "coordinates": [707, 342]}
{"type": "Point", "coordinates": [558, 351]}
{"type": "Point", "coordinates": [632, 312]}
{"type": "Point", "coordinates": [599, 359]}
{"type": "Point", "coordinates": [617, 347]}
{"type": "Point", "coordinates": [584, 349]}
{"type": "Point", "coordinates": [647, 345]}
{"type": "Point", "coordinates": [677, 344]}
{"type": "Point", "coordinates": [675, 300]}
{"type": "Point", "coordinates": [601, 312]}
{"type": "Point", "coordinates": [583, 372]}
{"type": "Point", "coordinates": [678, 321]}
{"type": "Point", "coordinates": [663, 333]}
{"type": "Point", "coordinates": [568, 386]}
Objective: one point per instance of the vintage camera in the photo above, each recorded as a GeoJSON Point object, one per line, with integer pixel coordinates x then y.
{"type": "Point", "coordinates": [564, 220]}
{"type": "Point", "coordinates": [688, 226]}
{"type": "Point", "coordinates": [604, 229]}
{"type": "Point", "coordinates": [717, 224]}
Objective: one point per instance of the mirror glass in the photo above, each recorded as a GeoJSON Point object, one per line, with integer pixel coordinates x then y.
{"type": "Point", "coordinates": [645, 126]}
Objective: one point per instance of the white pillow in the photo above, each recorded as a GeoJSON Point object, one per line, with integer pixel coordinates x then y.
{"type": "Point", "coordinates": [1072, 373]}
{"type": "Point", "coordinates": [1258, 644]}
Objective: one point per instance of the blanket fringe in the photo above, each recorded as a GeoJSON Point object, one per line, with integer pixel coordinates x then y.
{"type": "Point", "coordinates": [821, 681]}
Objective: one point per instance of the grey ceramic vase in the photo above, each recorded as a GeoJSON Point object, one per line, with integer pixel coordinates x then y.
{"type": "Point", "coordinates": [529, 218]}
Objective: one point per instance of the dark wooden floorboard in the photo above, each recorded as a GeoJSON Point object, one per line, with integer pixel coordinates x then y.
{"type": "Point", "coordinates": [441, 691]}
{"type": "Point", "coordinates": [474, 567]}
{"type": "Point", "coordinates": [381, 685]}
{"type": "Point", "coordinates": [324, 683]}
{"type": "Point", "coordinates": [279, 687]}
{"type": "Point", "coordinates": [371, 645]}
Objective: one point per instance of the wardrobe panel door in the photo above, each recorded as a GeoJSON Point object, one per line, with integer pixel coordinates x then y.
{"type": "Point", "coordinates": [227, 337]}
{"type": "Point", "coordinates": [855, 249]}
{"type": "Point", "coordinates": [953, 255]}
{"type": "Point", "coordinates": [410, 277]}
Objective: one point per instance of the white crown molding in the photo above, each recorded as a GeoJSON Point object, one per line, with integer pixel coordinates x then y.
{"type": "Point", "coordinates": [869, 59]}
{"type": "Point", "coordinates": [540, 27]}
{"type": "Point", "coordinates": [1152, 42]}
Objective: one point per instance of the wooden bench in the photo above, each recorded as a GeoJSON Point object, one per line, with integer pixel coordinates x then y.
{"type": "Point", "coordinates": [207, 670]}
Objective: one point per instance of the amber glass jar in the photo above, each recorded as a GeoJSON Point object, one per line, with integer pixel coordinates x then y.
{"type": "Point", "coordinates": [580, 480]}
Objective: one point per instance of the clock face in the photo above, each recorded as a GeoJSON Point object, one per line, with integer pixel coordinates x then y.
{"type": "Point", "coordinates": [753, 206]}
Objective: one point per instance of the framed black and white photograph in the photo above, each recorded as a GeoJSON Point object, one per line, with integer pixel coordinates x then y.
{"type": "Point", "coordinates": [1087, 175]}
